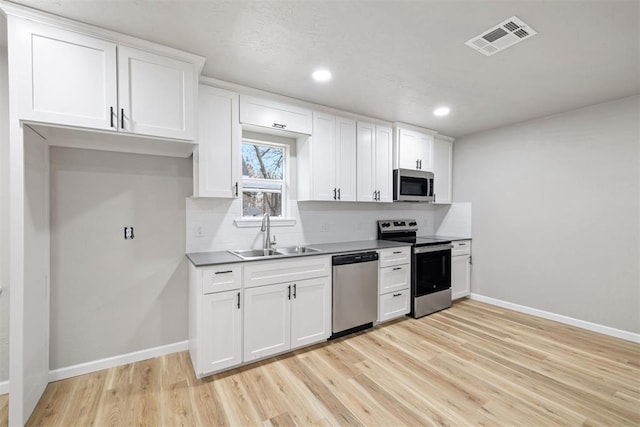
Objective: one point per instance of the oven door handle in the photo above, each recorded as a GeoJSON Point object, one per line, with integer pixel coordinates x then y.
{"type": "Point", "coordinates": [434, 248]}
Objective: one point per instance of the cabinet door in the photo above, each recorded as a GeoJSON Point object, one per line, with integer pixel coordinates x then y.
{"type": "Point", "coordinates": [392, 279]}
{"type": "Point", "coordinates": [442, 151]}
{"type": "Point", "coordinates": [310, 311]}
{"type": "Point", "coordinates": [366, 140]}
{"type": "Point", "coordinates": [425, 152]}
{"type": "Point", "coordinates": [267, 320]}
{"type": "Point", "coordinates": [345, 169]}
{"type": "Point", "coordinates": [323, 155]}
{"type": "Point", "coordinates": [220, 344]}
{"type": "Point", "coordinates": [275, 115]}
{"type": "Point", "coordinates": [216, 161]}
{"type": "Point", "coordinates": [407, 149]}
{"type": "Point", "coordinates": [460, 276]}
{"type": "Point", "coordinates": [393, 304]}
{"type": "Point", "coordinates": [66, 78]}
{"type": "Point", "coordinates": [155, 94]}
{"type": "Point", "coordinates": [383, 167]}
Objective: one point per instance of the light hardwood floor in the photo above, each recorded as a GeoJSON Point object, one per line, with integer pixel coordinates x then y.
{"type": "Point", "coordinates": [474, 364]}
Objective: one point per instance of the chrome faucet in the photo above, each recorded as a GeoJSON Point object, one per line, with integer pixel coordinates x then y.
{"type": "Point", "coordinates": [266, 229]}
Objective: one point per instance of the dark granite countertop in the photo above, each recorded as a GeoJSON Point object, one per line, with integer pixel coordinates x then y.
{"type": "Point", "coordinates": [202, 259]}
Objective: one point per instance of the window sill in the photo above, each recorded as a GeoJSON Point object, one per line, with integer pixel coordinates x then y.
{"type": "Point", "coordinates": [257, 222]}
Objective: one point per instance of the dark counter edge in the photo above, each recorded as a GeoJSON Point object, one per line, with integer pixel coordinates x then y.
{"type": "Point", "coordinates": [203, 259]}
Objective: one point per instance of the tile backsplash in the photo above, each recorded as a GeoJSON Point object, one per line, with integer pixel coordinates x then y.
{"type": "Point", "coordinates": [211, 223]}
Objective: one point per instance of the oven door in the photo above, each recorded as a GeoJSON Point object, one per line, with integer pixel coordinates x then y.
{"type": "Point", "coordinates": [432, 269]}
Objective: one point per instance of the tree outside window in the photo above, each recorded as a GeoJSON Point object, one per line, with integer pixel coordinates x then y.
{"type": "Point", "coordinates": [262, 178]}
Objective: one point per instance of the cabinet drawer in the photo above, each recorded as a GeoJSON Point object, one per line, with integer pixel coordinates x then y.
{"type": "Point", "coordinates": [461, 247]}
{"type": "Point", "coordinates": [394, 256]}
{"type": "Point", "coordinates": [393, 304]}
{"type": "Point", "coordinates": [275, 115]}
{"type": "Point", "coordinates": [221, 278]}
{"type": "Point", "coordinates": [394, 278]}
{"type": "Point", "coordinates": [269, 272]}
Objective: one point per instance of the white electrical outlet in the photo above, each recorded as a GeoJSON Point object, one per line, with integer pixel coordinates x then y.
{"type": "Point", "coordinates": [199, 231]}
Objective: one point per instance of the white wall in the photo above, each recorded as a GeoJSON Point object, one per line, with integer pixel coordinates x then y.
{"type": "Point", "coordinates": [4, 206]}
{"type": "Point", "coordinates": [111, 296]}
{"type": "Point", "coordinates": [556, 212]}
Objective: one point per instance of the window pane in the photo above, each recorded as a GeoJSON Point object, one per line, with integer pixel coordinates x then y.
{"type": "Point", "coordinates": [262, 161]}
{"type": "Point", "coordinates": [262, 185]}
{"type": "Point", "coordinates": [257, 203]}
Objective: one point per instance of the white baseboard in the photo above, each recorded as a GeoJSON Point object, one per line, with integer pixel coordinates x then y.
{"type": "Point", "coordinates": [4, 387]}
{"type": "Point", "coordinates": [618, 333]}
{"type": "Point", "coordinates": [110, 362]}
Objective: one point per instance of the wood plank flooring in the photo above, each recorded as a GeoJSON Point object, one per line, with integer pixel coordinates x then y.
{"type": "Point", "coordinates": [474, 364]}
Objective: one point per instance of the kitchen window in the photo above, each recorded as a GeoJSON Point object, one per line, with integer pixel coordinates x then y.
{"type": "Point", "coordinates": [263, 178]}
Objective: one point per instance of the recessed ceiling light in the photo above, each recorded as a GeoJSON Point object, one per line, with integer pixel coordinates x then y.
{"type": "Point", "coordinates": [321, 75]}
{"type": "Point", "coordinates": [441, 111]}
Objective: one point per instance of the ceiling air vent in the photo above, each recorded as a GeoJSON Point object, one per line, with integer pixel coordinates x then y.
{"type": "Point", "coordinates": [502, 36]}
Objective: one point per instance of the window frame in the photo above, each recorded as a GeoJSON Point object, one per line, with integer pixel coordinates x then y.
{"type": "Point", "coordinates": [284, 181]}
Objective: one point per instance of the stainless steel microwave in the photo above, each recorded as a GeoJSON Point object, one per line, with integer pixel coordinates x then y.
{"type": "Point", "coordinates": [412, 186]}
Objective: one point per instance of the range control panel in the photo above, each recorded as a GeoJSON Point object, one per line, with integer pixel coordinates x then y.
{"type": "Point", "coordinates": [395, 225]}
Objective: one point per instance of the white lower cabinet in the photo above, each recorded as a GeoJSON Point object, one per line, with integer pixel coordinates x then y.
{"type": "Point", "coordinates": [461, 269]}
{"type": "Point", "coordinates": [310, 311]}
{"type": "Point", "coordinates": [222, 319]}
{"type": "Point", "coordinates": [267, 315]}
{"type": "Point", "coordinates": [285, 316]}
{"type": "Point", "coordinates": [215, 318]}
{"type": "Point", "coordinates": [394, 304]}
{"type": "Point", "coordinates": [394, 282]}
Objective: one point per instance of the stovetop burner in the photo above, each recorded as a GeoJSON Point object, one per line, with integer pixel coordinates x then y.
{"type": "Point", "coordinates": [405, 230]}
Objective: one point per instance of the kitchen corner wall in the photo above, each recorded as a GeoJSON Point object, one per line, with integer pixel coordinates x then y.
{"type": "Point", "coordinates": [556, 215]}
{"type": "Point", "coordinates": [111, 296]}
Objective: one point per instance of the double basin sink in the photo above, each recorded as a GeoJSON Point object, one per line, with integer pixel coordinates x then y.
{"type": "Point", "coordinates": [250, 254]}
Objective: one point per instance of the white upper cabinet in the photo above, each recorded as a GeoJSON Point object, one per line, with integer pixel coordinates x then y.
{"type": "Point", "coordinates": [345, 151]}
{"type": "Point", "coordinates": [216, 159]}
{"type": "Point", "coordinates": [155, 94]}
{"type": "Point", "coordinates": [374, 163]}
{"type": "Point", "coordinates": [275, 115]}
{"type": "Point", "coordinates": [413, 150]}
{"type": "Point", "coordinates": [383, 171]}
{"type": "Point", "coordinates": [67, 78]}
{"type": "Point", "coordinates": [326, 160]}
{"type": "Point", "coordinates": [72, 79]}
{"type": "Point", "coordinates": [442, 156]}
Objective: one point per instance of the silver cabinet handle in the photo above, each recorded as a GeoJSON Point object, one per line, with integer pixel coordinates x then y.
{"type": "Point", "coordinates": [224, 272]}
{"type": "Point", "coordinates": [279, 126]}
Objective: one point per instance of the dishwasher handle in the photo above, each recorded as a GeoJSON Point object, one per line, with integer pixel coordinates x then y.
{"type": "Point", "coordinates": [354, 258]}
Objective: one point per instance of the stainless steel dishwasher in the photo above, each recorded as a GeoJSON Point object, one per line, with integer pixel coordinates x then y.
{"type": "Point", "coordinates": [355, 292]}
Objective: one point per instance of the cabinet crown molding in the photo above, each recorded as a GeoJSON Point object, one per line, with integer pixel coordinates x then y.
{"type": "Point", "coordinates": [400, 125]}
{"type": "Point", "coordinates": [27, 13]}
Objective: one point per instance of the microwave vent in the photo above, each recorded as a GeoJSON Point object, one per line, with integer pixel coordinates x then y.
{"type": "Point", "coordinates": [504, 35]}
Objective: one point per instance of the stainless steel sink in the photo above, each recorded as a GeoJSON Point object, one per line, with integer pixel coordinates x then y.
{"type": "Point", "coordinates": [250, 254]}
{"type": "Point", "coordinates": [297, 250]}
{"type": "Point", "coordinates": [255, 253]}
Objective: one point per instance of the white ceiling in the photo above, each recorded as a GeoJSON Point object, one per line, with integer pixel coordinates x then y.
{"type": "Point", "coordinates": [398, 60]}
